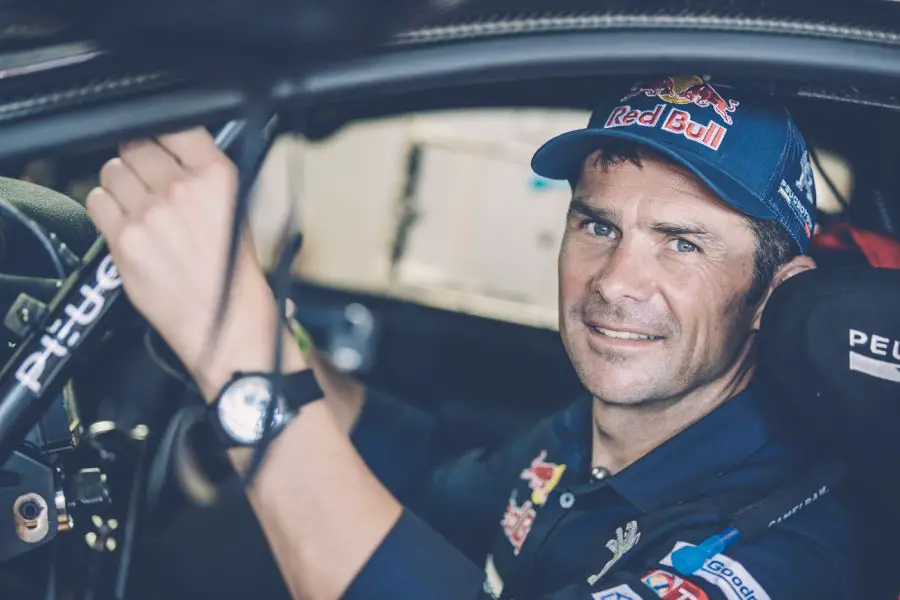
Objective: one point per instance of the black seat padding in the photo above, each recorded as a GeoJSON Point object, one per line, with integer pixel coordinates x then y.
{"type": "Point", "coordinates": [830, 343]}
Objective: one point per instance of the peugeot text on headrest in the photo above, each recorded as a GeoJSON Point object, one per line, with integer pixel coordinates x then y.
{"type": "Point", "coordinates": [877, 345]}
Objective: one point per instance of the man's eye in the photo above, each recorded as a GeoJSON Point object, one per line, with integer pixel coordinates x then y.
{"type": "Point", "coordinates": [682, 245]}
{"type": "Point", "coordinates": [599, 229]}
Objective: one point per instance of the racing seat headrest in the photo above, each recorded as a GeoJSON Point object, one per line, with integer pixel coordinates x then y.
{"type": "Point", "coordinates": [830, 345]}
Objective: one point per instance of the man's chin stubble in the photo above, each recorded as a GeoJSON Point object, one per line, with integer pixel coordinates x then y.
{"type": "Point", "coordinates": [645, 404]}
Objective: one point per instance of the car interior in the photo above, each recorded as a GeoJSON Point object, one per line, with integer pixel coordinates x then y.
{"type": "Point", "coordinates": [406, 170]}
{"type": "Point", "coordinates": [491, 362]}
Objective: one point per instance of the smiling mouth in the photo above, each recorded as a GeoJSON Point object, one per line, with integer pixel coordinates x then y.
{"type": "Point", "coordinates": [623, 335]}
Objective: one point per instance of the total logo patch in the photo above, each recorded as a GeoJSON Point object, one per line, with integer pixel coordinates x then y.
{"type": "Point", "coordinates": [620, 592]}
{"type": "Point", "coordinates": [727, 574]}
{"type": "Point", "coordinates": [669, 586]}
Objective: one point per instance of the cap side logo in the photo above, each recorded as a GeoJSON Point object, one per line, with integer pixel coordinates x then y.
{"type": "Point", "coordinates": [806, 182]}
{"type": "Point", "coordinates": [686, 89]}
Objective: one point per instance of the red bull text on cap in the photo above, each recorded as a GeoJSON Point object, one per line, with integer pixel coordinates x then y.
{"type": "Point", "coordinates": [745, 146]}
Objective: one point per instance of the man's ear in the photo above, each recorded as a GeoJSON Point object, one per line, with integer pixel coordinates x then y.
{"type": "Point", "coordinates": [796, 265]}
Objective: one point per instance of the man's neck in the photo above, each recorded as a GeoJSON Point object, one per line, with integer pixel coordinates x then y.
{"type": "Point", "coordinates": [622, 434]}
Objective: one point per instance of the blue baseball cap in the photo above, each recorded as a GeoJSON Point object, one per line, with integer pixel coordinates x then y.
{"type": "Point", "coordinates": [745, 147]}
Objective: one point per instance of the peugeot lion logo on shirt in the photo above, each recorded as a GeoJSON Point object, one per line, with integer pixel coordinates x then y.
{"type": "Point", "coordinates": [624, 541]}
{"type": "Point", "coordinates": [886, 366]}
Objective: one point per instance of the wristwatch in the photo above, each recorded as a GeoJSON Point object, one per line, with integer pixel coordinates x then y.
{"type": "Point", "coordinates": [238, 414]}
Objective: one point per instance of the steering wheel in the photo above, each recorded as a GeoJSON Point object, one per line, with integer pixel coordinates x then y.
{"type": "Point", "coordinates": [65, 296]}
{"type": "Point", "coordinates": [43, 235]}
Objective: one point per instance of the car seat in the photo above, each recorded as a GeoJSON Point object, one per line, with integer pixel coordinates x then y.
{"type": "Point", "coordinates": [830, 344]}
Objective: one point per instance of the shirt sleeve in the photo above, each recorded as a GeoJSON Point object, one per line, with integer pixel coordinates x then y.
{"type": "Point", "coordinates": [415, 562]}
{"type": "Point", "coordinates": [463, 498]}
{"type": "Point", "coordinates": [810, 555]}
{"type": "Point", "coordinates": [397, 441]}
{"type": "Point", "coordinates": [813, 554]}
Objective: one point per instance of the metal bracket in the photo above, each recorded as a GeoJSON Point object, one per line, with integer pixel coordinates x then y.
{"type": "Point", "coordinates": [25, 315]}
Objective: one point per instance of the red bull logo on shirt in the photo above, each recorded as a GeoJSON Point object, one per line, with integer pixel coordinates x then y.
{"type": "Point", "coordinates": [542, 477]}
{"type": "Point", "coordinates": [686, 89]}
{"type": "Point", "coordinates": [517, 522]}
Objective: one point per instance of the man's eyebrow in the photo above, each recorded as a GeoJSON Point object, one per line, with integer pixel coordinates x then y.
{"type": "Point", "coordinates": [687, 229]}
{"type": "Point", "coordinates": [580, 206]}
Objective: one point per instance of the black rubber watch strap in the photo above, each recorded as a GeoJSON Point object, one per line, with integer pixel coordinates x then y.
{"type": "Point", "coordinates": [299, 389]}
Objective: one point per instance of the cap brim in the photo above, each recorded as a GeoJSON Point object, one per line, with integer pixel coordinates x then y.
{"type": "Point", "coordinates": [562, 158]}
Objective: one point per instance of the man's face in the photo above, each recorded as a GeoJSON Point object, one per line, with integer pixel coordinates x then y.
{"type": "Point", "coordinates": [653, 271]}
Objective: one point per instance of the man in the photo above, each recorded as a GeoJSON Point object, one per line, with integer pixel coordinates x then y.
{"type": "Point", "coordinates": [691, 203]}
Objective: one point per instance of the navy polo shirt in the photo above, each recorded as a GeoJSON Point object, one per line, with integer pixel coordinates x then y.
{"type": "Point", "coordinates": [527, 519]}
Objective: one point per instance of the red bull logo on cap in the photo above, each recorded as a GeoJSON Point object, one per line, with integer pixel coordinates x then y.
{"type": "Point", "coordinates": [677, 121]}
{"type": "Point", "coordinates": [686, 89]}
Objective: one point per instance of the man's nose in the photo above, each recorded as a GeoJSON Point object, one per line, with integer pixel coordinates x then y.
{"type": "Point", "coordinates": [627, 275]}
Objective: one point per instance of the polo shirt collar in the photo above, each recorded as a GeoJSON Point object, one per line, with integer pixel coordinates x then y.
{"type": "Point", "coordinates": [714, 445]}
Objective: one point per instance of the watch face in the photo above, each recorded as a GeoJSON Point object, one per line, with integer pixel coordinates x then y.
{"type": "Point", "coordinates": [242, 409]}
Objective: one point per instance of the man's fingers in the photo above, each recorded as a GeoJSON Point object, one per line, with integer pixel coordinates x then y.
{"type": "Point", "coordinates": [126, 188]}
{"type": "Point", "coordinates": [152, 164]}
{"type": "Point", "coordinates": [106, 213]}
{"type": "Point", "coordinates": [194, 148]}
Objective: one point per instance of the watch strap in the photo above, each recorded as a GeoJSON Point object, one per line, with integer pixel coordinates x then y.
{"type": "Point", "coordinates": [299, 389]}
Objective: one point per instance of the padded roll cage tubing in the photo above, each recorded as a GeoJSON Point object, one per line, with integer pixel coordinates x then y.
{"type": "Point", "coordinates": [84, 305]}
{"type": "Point", "coordinates": [49, 125]}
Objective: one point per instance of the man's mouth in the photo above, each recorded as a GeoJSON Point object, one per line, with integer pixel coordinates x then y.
{"type": "Point", "coordinates": [619, 334]}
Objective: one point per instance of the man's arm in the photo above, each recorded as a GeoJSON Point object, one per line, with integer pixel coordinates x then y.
{"type": "Point", "coordinates": [165, 209]}
{"type": "Point", "coordinates": [345, 395]}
